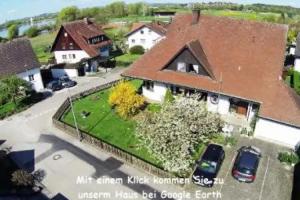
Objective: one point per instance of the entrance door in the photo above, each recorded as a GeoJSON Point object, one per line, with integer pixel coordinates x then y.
{"type": "Point", "coordinates": [242, 108]}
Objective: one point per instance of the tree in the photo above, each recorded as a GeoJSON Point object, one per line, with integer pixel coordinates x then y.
{"type": "Point", "coordinates": [117, 9]}
{"type": "Point", "coordinates": [173, 134]}
{"type": "Point", "coordinates": [124, 97]}
{"type": "Point", "coordinates": [139, 9]}
{"type": "Point", "coordinates": [13, 32]}
{"type": "Point", "coordinates": [68, 14]}
{"type": "Point", "coordinates": [14, 87]}
{"type": "Point", "coordinates": [22, 178]}
{"type": "Point", "coordinates": [32, 32]}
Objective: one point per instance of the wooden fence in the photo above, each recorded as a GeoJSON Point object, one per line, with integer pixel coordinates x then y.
{"type": "Point", "coordinates": [100, 144]}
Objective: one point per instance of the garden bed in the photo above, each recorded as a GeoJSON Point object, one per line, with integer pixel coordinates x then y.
{"type": "Point", "coordinates": [104, 129]}
{"type": "Point", "coordinates": [105, 124]}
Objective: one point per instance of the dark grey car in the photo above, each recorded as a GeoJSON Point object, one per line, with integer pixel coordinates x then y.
{"type": "Point", "coordinates": [67, 82]}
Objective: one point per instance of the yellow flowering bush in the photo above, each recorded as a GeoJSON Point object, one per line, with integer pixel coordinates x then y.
{"type": "Point", "coordinates": [124, 98]}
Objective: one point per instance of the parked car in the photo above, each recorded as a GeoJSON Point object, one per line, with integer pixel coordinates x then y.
{"type": "Point", "coordinates": [246, 164]}
{"type": "Point", "coordinates": [209, 165]}
{"type": "Point", "coordinates": [54, 85]}
{"type": "Point", "coordinates": [67, 82]}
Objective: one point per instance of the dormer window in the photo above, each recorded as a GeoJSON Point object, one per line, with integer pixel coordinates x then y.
{"type": "Point", "coordinates": [181, 67]}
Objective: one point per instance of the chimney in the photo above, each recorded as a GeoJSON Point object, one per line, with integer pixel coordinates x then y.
{"type": "Point", "coordinates": [87, 20]}
{"type": "Point", "coordinates": [196, 16]}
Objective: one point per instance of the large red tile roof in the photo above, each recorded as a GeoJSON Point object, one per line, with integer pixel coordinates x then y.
{"type": "Point", "coordinates": [246, 58]}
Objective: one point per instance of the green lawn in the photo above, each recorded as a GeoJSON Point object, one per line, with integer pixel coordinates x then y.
{"type": "Point", "coordinates": [105, 124]}
{"type": "Point", "coordinates": [41, 46]}
{"type": "Point", "coordinates": [126, 59]}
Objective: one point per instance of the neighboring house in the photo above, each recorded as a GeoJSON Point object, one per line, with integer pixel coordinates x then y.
{"type": "Point", "coordinates": [18, 58]}
{"type": "Point", "coordinates": [146, 35]}
{"type": "Point", "coordinates": [297, 54]}
{"type": "Point", "coordinates": [235, 65]}
{"type": "Point", "coordinates": [162, 14]}
{"type": "Point", "coordinates": [81, 42]}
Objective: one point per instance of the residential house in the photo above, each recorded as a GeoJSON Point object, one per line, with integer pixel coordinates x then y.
{"type": "Point", "coordinates": [18, 58]}
{"type": "Point", "coordinates": [80, 42]}
{"type": "Point", "coordinates": [163, 14]}
{"type": "Point", "coordinates": [236, 67]}
{"type": "Point", "coordinates": [146, 34]}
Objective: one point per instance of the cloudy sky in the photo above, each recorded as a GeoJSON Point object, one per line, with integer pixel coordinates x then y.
{"type": "Point", "coordinates": [14, 9]}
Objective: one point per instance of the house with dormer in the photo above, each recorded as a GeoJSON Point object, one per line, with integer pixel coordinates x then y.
{"type": "Point", "coordinates": [79, 48]}
{"type": "Point", "coordinates": [230, 64]}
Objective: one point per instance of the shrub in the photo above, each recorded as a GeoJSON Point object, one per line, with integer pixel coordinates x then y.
{"type": "Point", "coordinates": [32, 32]}
{"type": "Point", "coordinates": [169, 98]}
{"type": "Point", "coordinates": [124, 97]}
{"type": "Point", "coordinates": [173, 134]}
{"type": "Point", "coordinates": [288, 157]}
{"type": "Point", "coordinates": [137, 50]}
{"type": "Point", "coordinates": [297, 81]}
{"type": "Point", "coordinates": [22, 178]}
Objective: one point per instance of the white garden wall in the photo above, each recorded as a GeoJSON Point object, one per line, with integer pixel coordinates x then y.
{"type": "Point", "coordinates": [158, 93]}
{"type": "Point", "coordinates": [57, 73]}
{"type": "Point", "coordinates": [37, 82]}
{"type": "Point", "coordinates": [297, 64]}
{"type": "Point", "coordinates": [277, 133]}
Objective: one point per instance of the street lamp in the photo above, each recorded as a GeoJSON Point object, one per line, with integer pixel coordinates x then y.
{"type": "Point", "coordinates": [74, 117]}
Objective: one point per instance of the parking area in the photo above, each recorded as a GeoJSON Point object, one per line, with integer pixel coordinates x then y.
{"type": "Point", "coordinates": [273, 181]}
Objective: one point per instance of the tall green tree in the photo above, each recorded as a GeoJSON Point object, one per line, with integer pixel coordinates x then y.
{"type": "Point", "coordinates": [14, 87]}
{"type": "Point", "coordinates": [68, 14]}
{"type": "Point", "coordinates": [13, 32]}
{"type": "Point", "coordinates": [117, 9]}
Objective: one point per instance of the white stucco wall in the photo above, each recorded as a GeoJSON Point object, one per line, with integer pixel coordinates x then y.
{"type": "Point", "coordinates": [297, 64]}
{"type": "Point", "coordinates": [158, 93]}
{"type": "Point", "coordinates": [37, 82]}
{"type": "Point", "coordinates": [56, 73]}
{"type": "Point", "coordinates": [151, 38]}
{"type": "Point", "coordinates": [78, 56]}
{"type": "Point", "coordinates": [222, 107]}
{"type": "Point", "coordinates": [277, 133]}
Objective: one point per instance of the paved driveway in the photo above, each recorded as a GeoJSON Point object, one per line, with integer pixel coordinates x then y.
{"type": "Point", "coordinates": [273, 181]}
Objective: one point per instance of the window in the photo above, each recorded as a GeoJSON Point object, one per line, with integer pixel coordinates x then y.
{"type": "Point", "coordinates": [133, 40]}
{"type": "Point", "coordinates": [72, 56]}
{"type": "Point", "coordinates": [64, 57]}
{"type": "Point", "coordinates": [193, 68]}
{"type": "Point", "coordinates": [71, 45]}
{"type": "Point", "coordinates": [142, 32]}
{"type": "Point", "coordinates": [66, 34]}
{"type": "Point", "coordinates": [31, 77]}
{"type": "Point", "coordinates": [181, 67]}
{"type": "Point", "coordinates": [149, 85]}
{"type": "Point", "coordinates": [214, 99]}
{"type": "Point", "coordinates": [143, 41]}
{"type": "Point", "coordinates": [150, 31]}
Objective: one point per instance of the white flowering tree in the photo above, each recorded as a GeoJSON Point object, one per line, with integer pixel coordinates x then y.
{"type": "Point", "coordinates": [173, 134]}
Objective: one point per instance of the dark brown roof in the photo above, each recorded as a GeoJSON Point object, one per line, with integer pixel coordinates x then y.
{"type": "Point", "coordinates": [17, 56]}
{"type": "Point", "coordinates": [81, 31]}
{"type": "Point", "coordinates": [246, 58]}
{"type": "Point", "coordinates": [157, 26]}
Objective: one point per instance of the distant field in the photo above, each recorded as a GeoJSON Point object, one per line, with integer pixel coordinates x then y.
{"type": "Point", "coordinates": [243, 14]}
{"type": "Point", "coordinates": [41, 45]}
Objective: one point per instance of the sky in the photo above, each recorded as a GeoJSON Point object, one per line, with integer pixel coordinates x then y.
{"type": "Point", "coordinates": [15, 9]}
